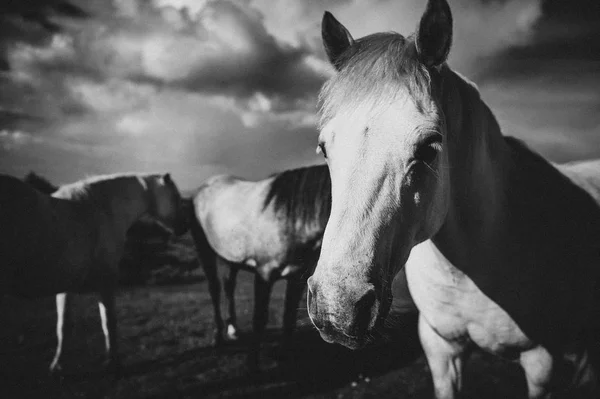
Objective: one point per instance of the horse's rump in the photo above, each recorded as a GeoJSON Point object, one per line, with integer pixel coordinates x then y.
{"type": "Point", "coordinates": [31, 238]}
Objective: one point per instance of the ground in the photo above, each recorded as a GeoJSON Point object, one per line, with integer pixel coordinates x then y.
{"type": "Point", "coordinates": [166, 334]}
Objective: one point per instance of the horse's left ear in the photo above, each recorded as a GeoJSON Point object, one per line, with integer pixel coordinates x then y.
{"type": "Point", "coordinates": [434, 36]}
{"type": "Point", "coordinates": [167, 178]}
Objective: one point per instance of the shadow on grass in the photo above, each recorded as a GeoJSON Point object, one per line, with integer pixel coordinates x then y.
{"type": "Point", "coordinates": [312, 367]}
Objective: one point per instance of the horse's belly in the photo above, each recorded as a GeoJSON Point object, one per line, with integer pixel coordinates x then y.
{"type": "Point", "coordinates": [240, 237]}
{"type": "Point", "coordinates": [43, 277]}
{"type": "Point", "coordinates": [52, 264]}
{"type": "Point", "coordinates": [456, 308]}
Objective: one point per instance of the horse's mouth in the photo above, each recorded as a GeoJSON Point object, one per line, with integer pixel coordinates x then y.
{"type": "Point", "coordinates": [333, 335]}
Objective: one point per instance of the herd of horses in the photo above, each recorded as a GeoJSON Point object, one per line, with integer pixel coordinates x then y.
{"type": "Point", "coordinates": [497, 247]}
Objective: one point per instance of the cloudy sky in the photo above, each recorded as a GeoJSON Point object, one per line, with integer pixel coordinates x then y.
{"type": "Point", "coordinates": [199, 87]}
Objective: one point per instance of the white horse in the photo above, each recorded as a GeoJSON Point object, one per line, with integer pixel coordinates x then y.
{"type": "Point", "coordinates": [502, 250]}
{"type": "Point", "coordinates": [72, 241]}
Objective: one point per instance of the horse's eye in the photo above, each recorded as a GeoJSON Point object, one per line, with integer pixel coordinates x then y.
{"type": "Point", "coordinates": [321, 150]}
{"type": "Point", "coordinates": [428, 151]}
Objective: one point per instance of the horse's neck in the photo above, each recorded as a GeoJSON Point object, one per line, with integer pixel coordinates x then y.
{"type": "Point", "coordinates": [503, 195]}
{"type": "Point", "coordinates": [124, 200]}
{"type": "Point", "coordinates": [478, 156]}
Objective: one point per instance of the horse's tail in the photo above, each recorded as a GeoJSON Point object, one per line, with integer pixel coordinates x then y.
{"type": "Point", "coordinates": [206, 253]}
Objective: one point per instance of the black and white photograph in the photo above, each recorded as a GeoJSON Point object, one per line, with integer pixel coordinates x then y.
{"type": "Point", "coordinates": [309, 199]}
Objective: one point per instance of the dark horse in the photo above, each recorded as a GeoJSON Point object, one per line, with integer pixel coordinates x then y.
{"type": "Point", "coordinates": [71, 241]}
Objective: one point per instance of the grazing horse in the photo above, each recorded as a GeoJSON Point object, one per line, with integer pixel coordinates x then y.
{"type": "Point", "coordinates": [72, 241]}
{"type": "Point", "coordinates": [272, 227]}
{"type": "Point", "coordinates": [501, 247]}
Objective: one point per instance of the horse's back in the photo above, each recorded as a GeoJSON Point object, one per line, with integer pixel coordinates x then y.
{"type": "Point", "coordinates": [585, 174]}
{"type": "Point", "coordinates": [36, 245]}
{"type": "Point", "coordinates": [232, 213]}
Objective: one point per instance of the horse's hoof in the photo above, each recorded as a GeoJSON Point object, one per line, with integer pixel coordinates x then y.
{"type": "Point", "coordinates": [114, 367]}
{"type": "Point", "coordinates": [232, 333]}
{"type": "Point", "coordinates": [55, 369]}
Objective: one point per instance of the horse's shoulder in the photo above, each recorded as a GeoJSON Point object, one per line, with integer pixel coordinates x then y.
{"type": "Point", "coordinates": [12, 187]}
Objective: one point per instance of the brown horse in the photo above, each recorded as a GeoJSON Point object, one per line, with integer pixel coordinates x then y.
{"type": "Point", "coordinates": [72, 241]}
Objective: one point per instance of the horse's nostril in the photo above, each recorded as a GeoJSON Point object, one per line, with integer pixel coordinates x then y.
{"type": "Point", "coordinates": [313, 310]}
{"type": "Point", "coordinates": [365, 311]}
{"type": "Point", "coordinates": [366, 301]}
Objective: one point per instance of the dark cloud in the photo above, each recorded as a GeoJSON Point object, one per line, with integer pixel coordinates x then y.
{"type": "Point", "coordinates": [32, 22]}
{"type": "Point", "coordinates": [574, 10]}
{"type": "Point", "coordinates": [566, 38]}
{"type": "Point", "coordinates": [546, 90]}
{"type": "Point", "coordinates": [203, 87]}
{"type": "Point", "coordinates": [224, 49]}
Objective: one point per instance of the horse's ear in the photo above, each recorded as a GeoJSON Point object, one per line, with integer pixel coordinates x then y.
{"type": "Point", "coordinates": [336, 38]}
{"type": "Point", "coordinates": [167, 178]}
{"type": "Point", "coordinates": [434, 36]}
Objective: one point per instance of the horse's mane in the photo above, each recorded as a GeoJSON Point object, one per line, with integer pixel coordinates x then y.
{"type": "Point", "coordinates": [40, 183]}
{"type": "Point", "coordinates": [98, 188]}
{"type": "Point", "coordinates": [303, 195]}
{"type": "Point", "coordinates": [373, 70]}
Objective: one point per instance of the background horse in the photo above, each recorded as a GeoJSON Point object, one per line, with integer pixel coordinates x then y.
{"type": "Point", "coordinates": [73, 240]}
{"type": "Point", "coordinates": [272, 227]}
{"type": "Point", "coordinates": [503, 246]}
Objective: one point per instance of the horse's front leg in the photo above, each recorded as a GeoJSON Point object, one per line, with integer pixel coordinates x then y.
{"type": "Point", "coordinates": [445, 359]}
{"type": "Point", "coordinates": [293, 295]}
{"type": "Point", "coordinates": [108, 317]}
{"type": "Point", "coordinates": [63, 323]}
{"type": "Point", "coordinates": [262, 293]}
{"type": "Point", "coordinates": [538, 364]}
{"type": "Point", "coordinates": [229, 286]}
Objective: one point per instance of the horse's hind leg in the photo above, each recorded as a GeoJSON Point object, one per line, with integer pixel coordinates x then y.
{"type": "Point", "coordinates": [293, 295]}
{"type": "Point", "coordinates": [209, 264]}
{"type": "Point", "coordinates": [63, 324]}
{"type": "Point", "coordinates": [262, 293]}
{"type": "Point", "coordinates": [229, 285]}
{"type": "Point", "coordinates": [108, 318]}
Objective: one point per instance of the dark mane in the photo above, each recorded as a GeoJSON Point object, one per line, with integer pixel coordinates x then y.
{"type": "Point", "coordinates": [40, 183]}
{"type": "Point", "coordinates": [373, 70]}
{"type": "Point", "coordinates": [303, 195]}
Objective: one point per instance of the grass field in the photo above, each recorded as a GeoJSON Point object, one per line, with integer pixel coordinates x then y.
{"type": "Point", "coordinates": [166, 334]}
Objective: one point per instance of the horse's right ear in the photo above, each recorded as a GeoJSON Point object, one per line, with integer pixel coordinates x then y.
{"type": "Point", "coordinates": [336, 38]}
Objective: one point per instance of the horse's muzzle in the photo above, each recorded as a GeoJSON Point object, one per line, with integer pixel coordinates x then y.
{"type": "Point", "coordinates": [348, 322]}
